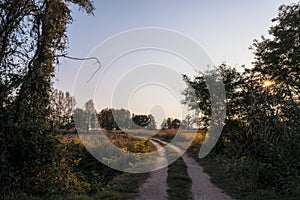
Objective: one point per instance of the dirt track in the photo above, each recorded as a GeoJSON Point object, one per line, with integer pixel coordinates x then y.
{"type": "Point", "coordinates": [202, 189]}
{"type": "Point", "coordinates": [156, 185]}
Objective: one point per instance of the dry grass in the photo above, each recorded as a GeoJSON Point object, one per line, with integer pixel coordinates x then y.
{"type": "Point", "coordinates": [69, 138]}
{"type": "Point", "coordinates": [169, 134]}
{"type": "Point", "coordinates": [124, 141]}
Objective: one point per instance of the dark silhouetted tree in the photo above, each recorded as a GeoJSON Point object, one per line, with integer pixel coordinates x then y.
{"type": "Point", "coordinates": [141, 120]}
{"type": "Point", "coordinates": [122, 118]}
{"type": "Point", "coordinates": [32, 38]}
{"type": "Point", "coordinates": [152, 124]}
{"type": "Point", "coordinates": [170, 123]}
{"type": "Point", "coordinates": [106, 119]}
{"type": "Point", "coordinates": [91, 115]}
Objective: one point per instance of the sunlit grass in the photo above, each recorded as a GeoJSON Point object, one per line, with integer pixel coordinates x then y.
{"type": "Point", "coordinates": [182, 135]}
{"type": "Point", "coordinates": [125, 142]}
{"type": "Point", "coordinates": [69, 138]}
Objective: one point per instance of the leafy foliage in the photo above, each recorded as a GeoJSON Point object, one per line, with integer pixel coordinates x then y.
{"type": "Point", "coordinates": [262, 119]}
{"type": "Point", "coordinates": [170, 123]}
{"type": "Point", "coordinates": [33, 36]}
{"type": "Point", "coordinates": [120, 119]}
{"type": "Point", "coordinates": [62, 104]}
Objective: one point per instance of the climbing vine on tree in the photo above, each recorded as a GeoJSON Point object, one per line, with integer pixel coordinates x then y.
{"type": "Point", "coordinates": [32, 39]}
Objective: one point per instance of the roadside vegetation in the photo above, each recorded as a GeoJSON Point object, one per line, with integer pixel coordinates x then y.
{"type": "Point", "coordinates": [80, 176]}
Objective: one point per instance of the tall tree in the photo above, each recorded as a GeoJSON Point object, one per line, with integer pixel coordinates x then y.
{"type": "Point", "coordinates": [62, 104]}
{"type": "Point", "coordinates": [106, 119]}
{"type": "Point", "coordinates": [81, 119]}
{"type": "Point", "coordinates": [277, 60]}
{"type": "Point", "coordinates": [122, 118]}
{"type": "Point", "coordinates": [263, 107]}
{"type": "Point", "coordinates": [277, 101]}
{"type": "Point", "coordinates": [189, 122]}
{"type": "Point", "coordinates": [152, 124]}
{"type": "Point", "coordinates": [33, 37]}
{"type": "Point", "coordinates": [91, 115]}
{"type": "Point", "coordinates": [278, 57]}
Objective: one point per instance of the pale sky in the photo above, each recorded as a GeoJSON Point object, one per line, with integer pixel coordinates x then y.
{"type": "Point", "coordinates": [224, 29]}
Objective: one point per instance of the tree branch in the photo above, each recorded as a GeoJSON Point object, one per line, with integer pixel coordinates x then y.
{"type": "Point", "coordinates": [87, 58]}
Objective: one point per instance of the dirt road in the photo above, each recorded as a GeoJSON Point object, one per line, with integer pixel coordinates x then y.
{"type": "Point", "coordinates": [202, 189]}
{"type": "Point", "coordinates": [156, 185]}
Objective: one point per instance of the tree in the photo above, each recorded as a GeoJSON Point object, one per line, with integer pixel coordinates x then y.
{"type": "Point", "coordinates": [33, 37]}
{"type": "Point", "coordinates": [170, 123]}
{"type": "Point", "coordinates": [277, 60]}
{"type": "Point", "coordinates": [141, 120]}
{"type": "Point", "coordinates": [62, 104]}
{"type": "Point", "coordinates": [263, 109]}
{"type": "Point", "coordinates": [277, 106]}
{"type": "Point", "coordinates": [106, 119]}
{"type": "Point", "coordinates": [152, 124]}
{"type": "Point", "coordinates": [81, 119]}
{"type": "Point", "coordinates": [175, 124]}
{"type": "Point", "coordinates": [197, 99]}
{"type": "Point", "coordinates": [90, 115]}
{"type": "Point", "coordinates": [189, 122]}
{"type": "Point", "coordinates": [122, 118]}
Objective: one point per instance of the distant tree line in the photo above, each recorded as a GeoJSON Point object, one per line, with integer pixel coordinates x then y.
{"type": "Point", "coordinates": [111, 119]}
{"type": "Point", "coordinates": [62, 116]}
